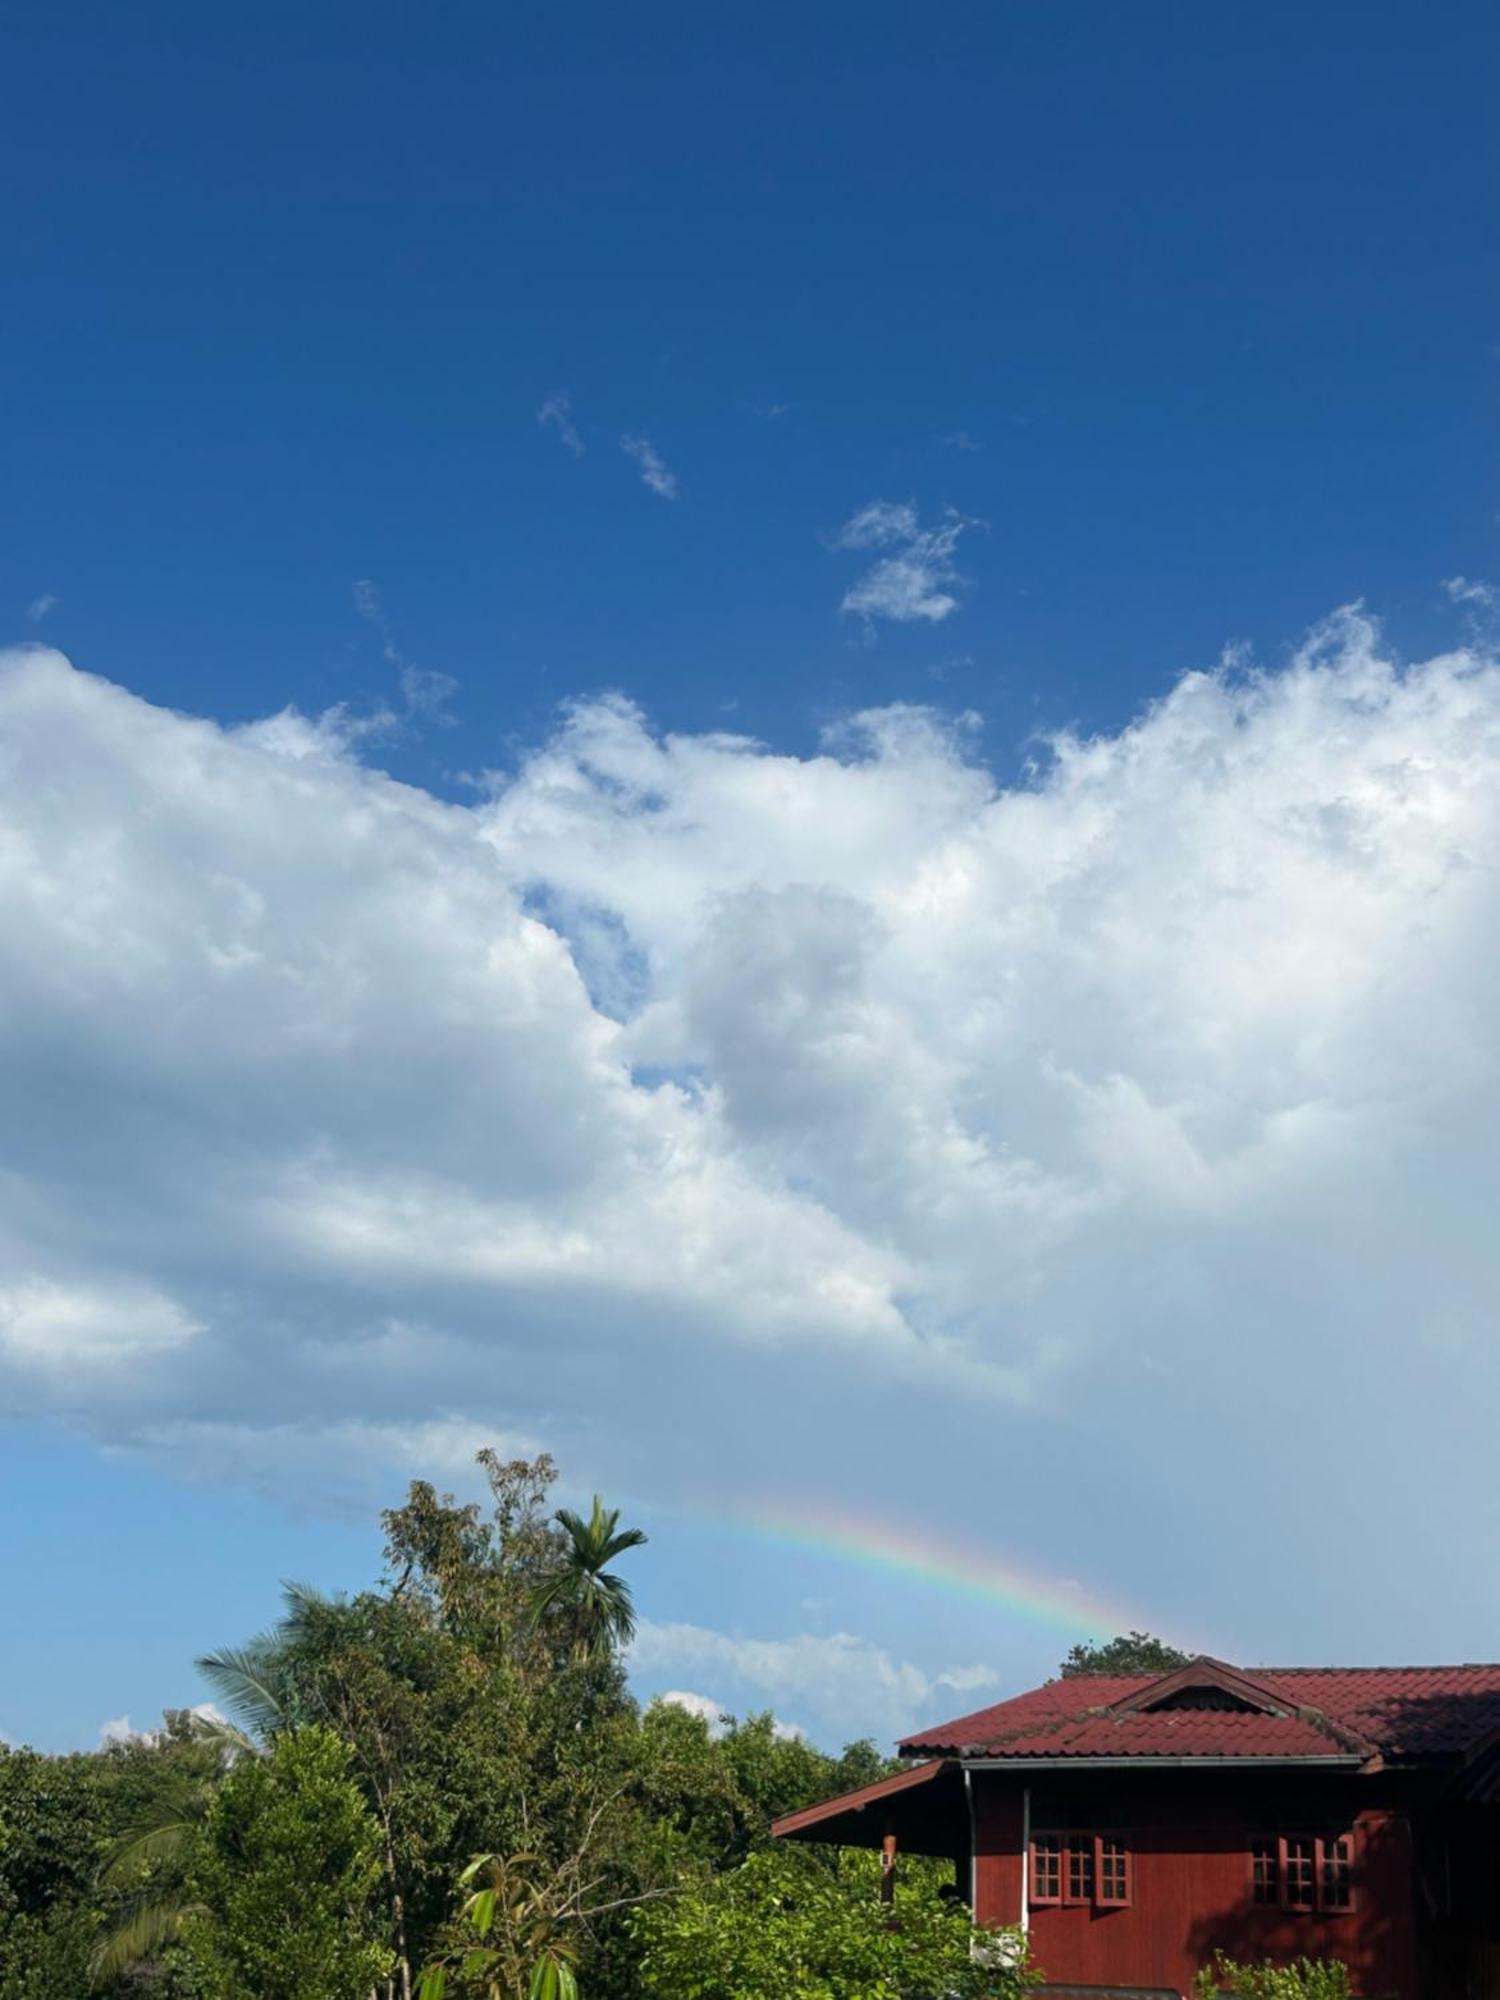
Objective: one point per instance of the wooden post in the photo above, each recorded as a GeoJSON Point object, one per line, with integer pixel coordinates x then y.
{"type": "Point", "coordinates": [888, 1869]}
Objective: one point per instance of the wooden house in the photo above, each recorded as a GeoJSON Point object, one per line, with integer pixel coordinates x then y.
{"type": "Point", "coordinates": [1134, 1825]}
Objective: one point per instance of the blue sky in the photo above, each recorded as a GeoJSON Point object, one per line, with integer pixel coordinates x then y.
{"type": "Point", "coordinates": [1082, 1152]}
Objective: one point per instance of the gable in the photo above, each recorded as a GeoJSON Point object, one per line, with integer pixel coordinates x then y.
{"type": "Point", "coordinates": [1206, 1684]}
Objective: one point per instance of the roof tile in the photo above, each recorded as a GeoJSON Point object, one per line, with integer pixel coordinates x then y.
{"type": "Point", "coordinates": [1398, 1712]}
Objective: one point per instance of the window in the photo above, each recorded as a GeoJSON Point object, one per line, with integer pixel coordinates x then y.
{"type": "Point", "coordinates": [1114, 1873]}
{"type": "Point", "coordinates": [1300, 1871]}
{"type": "Point", "coordinates": [1046, 1868]}
{"type": "Point", "coordinates": [1092, 1869]}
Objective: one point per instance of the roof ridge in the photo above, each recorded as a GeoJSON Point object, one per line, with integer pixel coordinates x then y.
{"type": "Point", "coordinates": [1431, 1667]}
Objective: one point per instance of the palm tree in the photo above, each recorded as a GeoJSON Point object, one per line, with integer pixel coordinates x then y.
{"type": "Point", "coordinates": [152, 1858]}
{"type": "Point", "coordinates": [583, 1584]}
{"type": "Point", "coordinates": [252, 1681]}
{"type": "Point", "coordinates": [150, 1861]}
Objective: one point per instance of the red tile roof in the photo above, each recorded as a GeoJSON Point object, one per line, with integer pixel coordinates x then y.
{"type": "Point", "coordinates": [1303, 1712]}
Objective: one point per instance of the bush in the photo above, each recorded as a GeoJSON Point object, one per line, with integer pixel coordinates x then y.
{"type": "Point", "coordinates": [796, 1925]}
{"type": "Point", "coordinates": [1303, 1979]}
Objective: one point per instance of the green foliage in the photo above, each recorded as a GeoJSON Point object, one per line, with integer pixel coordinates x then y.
{"type": "Point", "coordinates": [1304, 1979]}
{"type": "Point", "coordinates": [52, 1818]}
{"type": "Point", "coordinates": [583, 1589]}
{"type": "Point", "coordinates": [282, 1879]}
{"type": "Point", "coordinates": [793, 1925]}
{"type": "Point", "coordinates": [145, 1870]}
{"type": "Point", "coordinates": [1129, 1653]}
{"type": "Point", "coordinates": [514, 1934]}
{"type": "Point", "coordinates": [62, 1819]}
{"type": "Point", "coordinates": [469, 1725]}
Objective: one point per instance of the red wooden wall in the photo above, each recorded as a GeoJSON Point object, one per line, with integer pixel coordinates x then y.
{"type": "Point", "coordinates": [1191, 1893]}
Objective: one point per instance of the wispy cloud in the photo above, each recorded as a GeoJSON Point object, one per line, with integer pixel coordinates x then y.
{"type": "Point", "coordinates": [38, 608]}
{"type": "Point", "coordinates": [655, 472]}
{"type": "Point", "coordinates": [1466, 590]}
{"type": "Point", "coordinates": [963, 441]}
{"type": "Point", "coordinates": [915, 582]}
{"type": "Point", "coordinates": [425, 692]}
{"type": "Point", "coordinates": [835, 1680]}
{"type": "Point", "coordinates": [557, 414]}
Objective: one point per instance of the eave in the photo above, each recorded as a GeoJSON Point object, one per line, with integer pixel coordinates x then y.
{"type": "Point", "coordinates": [977, 1761]}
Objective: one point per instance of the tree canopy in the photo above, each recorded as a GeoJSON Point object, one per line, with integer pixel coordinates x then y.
{"type": "Point", "coordinates": [1129, 1653]}
{"type": "Point", "coordinates": [453, 1747]}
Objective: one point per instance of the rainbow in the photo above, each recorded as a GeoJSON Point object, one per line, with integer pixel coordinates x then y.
{"type": "Point", "coordinates": [944, 1565]}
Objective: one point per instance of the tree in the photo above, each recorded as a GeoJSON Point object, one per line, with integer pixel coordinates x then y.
{"type": "Point", "coordinates": [797, 1925]}
{"type": "Point", "coordinates": [283, 1879]}
{"type": "Point", "coordinates": [64, 1822]}
{"type": "Point", "coordinates": [54, 1823]}
{"type": "Point", "coordinates": [469, 1725]}
{"type": "Point", "coordinates": [597, 1602]}
{"type": "Point", "coordinates": [254, 1681]}
{"type": "Point", "coordinates": [145, 1870]}
{"type": "Point", "coordinates": [1130, 1653]}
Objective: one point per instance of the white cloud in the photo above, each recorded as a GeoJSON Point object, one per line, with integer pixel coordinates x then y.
{"type": "Point", "coordinates": [655, 472]}
{"type": "Point", "coordinates": [556, 413]}
{"type": "Point", "coordinates": [39, 607]}
{"type": "Point", "coordinates": [64, 1326]}
{"type": "Point", "coordinates": [118, 1731]}
{"type": "Point", "coordinates": [839, 1683]}
{"type": "Point", "coordinates": [915, 583]}
{"type": "Point", "coordinates": [1465, 590]}
{"type": "Point", "coordinates": [679, 1100]}
{"type": "Point", "coordinates": [702, 1705]}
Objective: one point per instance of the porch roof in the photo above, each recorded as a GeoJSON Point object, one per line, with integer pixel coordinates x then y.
{"type": "Point", "coordinates": [924, 1807]}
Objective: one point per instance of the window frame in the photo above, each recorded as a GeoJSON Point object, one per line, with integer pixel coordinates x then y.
{"type": "Point", "coordinates": [1328, 1855]}
{"type": "Point", "coordinates": [1065, 1845]}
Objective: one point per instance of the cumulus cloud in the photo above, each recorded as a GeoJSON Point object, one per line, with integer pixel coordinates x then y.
{"type": "Point", "coordinates": [915, 582]}
{"type": "Point", "coordinates": [836, 1682]}
{"type": "Point", "coordinates": [997, 1151]}
{"type": "Point", "coordinates": [556, 413]}
{"type": "Point", "coordinates": [655, 472]}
